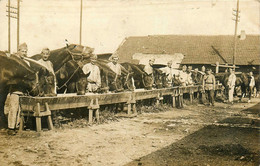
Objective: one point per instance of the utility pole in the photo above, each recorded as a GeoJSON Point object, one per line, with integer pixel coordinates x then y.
{"type": "Point", "coordinates": [9, 27]}
{"type": "Point", "coordinates": [14, 13]}
{"type": "Point", "coordinates": [236, 13]}
{"type": "Point", "coordinates": [18, 23]}
{"type": "Point", "coordinates": [80, 28]}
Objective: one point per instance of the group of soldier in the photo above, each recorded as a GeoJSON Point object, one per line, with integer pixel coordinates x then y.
{"type": "Point", "coordinates": [185, 77]}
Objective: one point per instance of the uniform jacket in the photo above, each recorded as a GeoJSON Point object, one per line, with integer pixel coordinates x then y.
{"type": "Point", "coordinates": [94, 75]}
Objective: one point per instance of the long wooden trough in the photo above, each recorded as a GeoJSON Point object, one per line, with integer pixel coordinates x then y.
{"type": "Point", "coordinates": [42, 106]}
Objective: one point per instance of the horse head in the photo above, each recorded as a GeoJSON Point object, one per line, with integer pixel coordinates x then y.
{"type": "Point", "coordinates": [147, 80]}
{"type": "Point", "coordinates": [128, 78]}
{"type": "Point", "coordinates": [158, 78]}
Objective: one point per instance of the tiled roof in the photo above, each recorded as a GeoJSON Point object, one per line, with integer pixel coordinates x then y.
{"type": "Point", "coordinates": [197, 49]}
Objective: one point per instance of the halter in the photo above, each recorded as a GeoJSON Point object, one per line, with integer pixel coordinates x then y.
{"type": "Point", "coordinates": [37, 85]}
{"type": "Point", "coordinates": [65, 84]}
{"type": "Point", "coordinates": [72, 54]}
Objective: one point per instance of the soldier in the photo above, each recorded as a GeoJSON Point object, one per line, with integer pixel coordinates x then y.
{"type": "Point", "coordinates": [22, 52]}
{"type": "Point", "coordinates": [149, 68]}
{"type": "Point", "coordinates": [169, 71]}
{"type": "Point", "coordinates": [209, 86]}
{"type": "Point", "coordinates": [11, 107]}
{"type": "Point", "coordinates": [114, 65]}
{"type": "Point", "coordinates": [195, 76]}
{"type": "Point", "coordinates": [201, 78]}
{"type": "Point", "coordinates": [94, 79]}
{"type": "Point", "coordinates": [189, 76]}
{"type": "Point", "coordinates": [231, 85]}
{"type": "Point", "coordinates": [251, 85]}
{"type": "Point", "coordinates": [183, 76]}
{"type": "Point", "coordinates": [48, 65]}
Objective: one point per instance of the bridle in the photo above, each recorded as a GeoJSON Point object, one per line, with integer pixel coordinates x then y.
{"type": "Point", "coordinates": [35, 87]}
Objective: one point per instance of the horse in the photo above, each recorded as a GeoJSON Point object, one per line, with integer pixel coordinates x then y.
{"type": "Point", "coordinates": [141, 78]}
{"type": "Point", "coordinates": [71, 78]}
{"type": "Point", "coordinates": [60, 56]}
{"type": "Point", "coordinates": [17, 75]}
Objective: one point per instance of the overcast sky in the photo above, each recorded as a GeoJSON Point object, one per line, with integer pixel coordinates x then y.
{"type": "Point", "coordinates": [107, 22]}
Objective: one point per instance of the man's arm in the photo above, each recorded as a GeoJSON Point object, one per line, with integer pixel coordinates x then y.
{"type": "Point", "coordinates": [214, 83]}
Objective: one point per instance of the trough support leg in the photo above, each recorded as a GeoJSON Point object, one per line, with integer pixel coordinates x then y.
{"type": "Point", "coordinates": [38, 124]}
{"type": "Point", "coordinates": [97, 114]}
{"type": "Point", "coordinates": [191, 97]}
{"type": "Point", "coordinates": [180, 99]}
{"type": "Point", "coordinates": [129, 108]}
{"type": "Point", "coordinates": [38, 118]}
{"type": "Point", "coordinates": [21, 123]}
{"type": "Point", "coordinates": [134, 108]}
{"type": "Point", "coordinates": [49, 121]}
{"type": "Point", "coordinates": [173, 101]}
{"type": "Point", "coordinates": [90, 117]}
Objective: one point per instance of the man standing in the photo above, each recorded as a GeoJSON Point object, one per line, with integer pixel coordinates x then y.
{"type": "Point", "coordinates": [231, 85]}
{"type": "Point", "coordinates": [169, 71]}
{"type": "Point", "coordinates": [11, 107]}
{"type": "Point", "coordinates": [195, 76]}
{"type": "Point", "coordinates": [114, 65]}
{"type": "Point", "coordinates": [209, 86]}
{"type": "Point", "coordinates": [189, 76]}
{"type": "Point", "coordinates": [251, 85]}
{"type": "Point", "coordinates": [48, 65]}
{"type": "Point", "coordinates": [183, 76]}
{"type": "Point", "coordinates": [149, 68]}
{"type": "Point", "coordinates": [94, 79]}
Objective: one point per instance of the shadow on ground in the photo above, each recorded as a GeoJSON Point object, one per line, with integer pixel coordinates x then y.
{"type": "Point", "coordinates": [234, 144]}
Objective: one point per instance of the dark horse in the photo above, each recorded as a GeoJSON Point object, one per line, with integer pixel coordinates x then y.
{"type": "Point", "coordinates": [66, 62]}
{"type": "Point", "coordinates": [16, 75]}
{"type": "Point", "coordinates": [71, 78]}
{"type": "Point", "coordinates": [141, 78]}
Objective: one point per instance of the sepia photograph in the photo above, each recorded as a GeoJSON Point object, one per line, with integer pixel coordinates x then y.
{"type": "Point", "coordinates": [129, 83]}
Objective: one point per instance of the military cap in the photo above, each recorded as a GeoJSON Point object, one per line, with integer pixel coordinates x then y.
{"type": "Point", "coordinates": [114, 56]}
{"type": "Point", "coordinates": [152, 60]}
{"type": "Point", "coordinates": [46, 49]}
{"type": "Point", "coordinates": [22, 46]}
{"type": "Point", "coordinates": [93, 56]}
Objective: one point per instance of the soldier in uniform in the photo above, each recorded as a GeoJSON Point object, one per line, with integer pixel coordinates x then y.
{"type": "Point", "coordinates": [251, 85]}
{"type": "Point", "coordinates": [189, 76]}
{"type": "Point", "coordinates": [149, 68]}
{"type": "Point", "coordinates": [231, 85]}
{"type": "Point", "coordinates": [169, 71]}
{"type": "Point", "coordinates": [114, 65]}
{"type": "Point", "coordinates": [94, 79]}
{"type": "Point", "coordinates": [48, 64]}
{"type": "Point", "coordinates": [12, 109]}
{"type": "Point", "coordinates": [183, 76]}
{"type": "Point", "coordinates": [208, 85]}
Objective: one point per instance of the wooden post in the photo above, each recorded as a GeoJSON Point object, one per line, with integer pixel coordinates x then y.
{"type": "Point", "coordinates": [97, 115]}
{"type": "Point", "coordinates": [217, 67]}
{"type": "Point", "coordinates": [9, 28]}
{"type": "Point", "coordinates": [235, 35]}
{"type": "Point", "coordinates": [129, 108]}
{"type": "Point", "coordinates": [38, 118]}
{"type": "Point", "coordinates": [90, 117]}
{"type": "Point", "coordinates": [21, 122]}
{"type": "Point", "coordinates": [191, 95]}
{"type": "Point", "coordinates": [173, 101]}
{"type": "Point", "coordinates": [49, 120]}
{"type": "Point", "coordinates": [134, 108]}
{"type": "Point", "coordinates": [181, 98]}
{"type": "Point", "coordinates": [18, 23]}
{"type": "Point", "coordinates": [80, 28]}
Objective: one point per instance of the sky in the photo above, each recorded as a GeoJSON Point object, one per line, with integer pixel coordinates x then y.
{"type": "Point", "coordinates": [47, 23]}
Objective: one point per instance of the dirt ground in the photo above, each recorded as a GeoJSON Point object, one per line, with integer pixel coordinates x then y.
{"type": "Point", "coordinates": [195, 135]}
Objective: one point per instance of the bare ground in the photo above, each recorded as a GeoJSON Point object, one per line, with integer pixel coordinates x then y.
{"type": "Point", "coordinates": [196, 135]}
